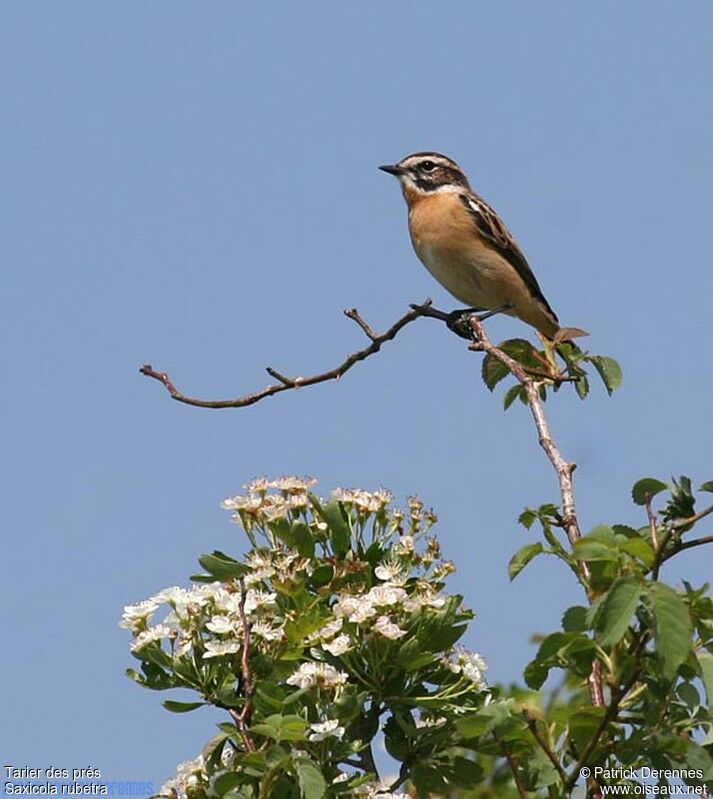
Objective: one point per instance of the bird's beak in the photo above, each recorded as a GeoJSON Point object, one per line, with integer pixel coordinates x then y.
{"type": "Point", "coordinates": [393, 170]}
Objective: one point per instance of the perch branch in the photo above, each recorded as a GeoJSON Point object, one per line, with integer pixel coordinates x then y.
{"type": "Point", "coordinates": [286, 383]}
{"type": "Point", "coordinates": [563, 468]}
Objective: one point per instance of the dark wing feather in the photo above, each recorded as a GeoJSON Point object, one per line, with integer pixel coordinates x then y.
{"type": "Point", "coordinates": [494, 231]}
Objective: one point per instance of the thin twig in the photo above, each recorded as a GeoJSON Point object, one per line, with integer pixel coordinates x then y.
{"type": "Point", "coordinates": [242, 718]}
{"type": "Point", "coordinates": [692, 519]}
{"type": "Point", "coordinates": [531, 722]}
{"type": "Point", "coordinates": [287, 383]}
{"type": "Point", "coordinates": [563, 469]}
{"type": "Point", "coordinates": [514, 767]}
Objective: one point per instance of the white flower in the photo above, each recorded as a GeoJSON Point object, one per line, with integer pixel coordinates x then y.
{"type": "Point", "coordinates": [223, 624]}
{"type": "Point", "coordinates": [339, 645]}
{"type": "Point", "coordinates": [256, 598]}
{"type": "Point", "coordinates": [471, 665]}
{"type": "Point", "coordinates": [216, 649]}
{"type": "Point", "coordinates": [369, 501]}
{"type": "Point", "coordinates": [292, 484]}
{"type": "Point", "coordinates": [386, 595]}
{"type": "Point", "coordinates": [356, 608]}
{"type": "Point", "coordinates": [328, 631]}
{"type": "Point", "coordinates": [389, 572]}
{"type": "Point", "coordinates": [265, 631]}
{"type": "Point", "coordinates": [321, 674]}
{"type": "Point", "coordinates": [431, 599]}
{"type": "Point", "coordinates": [325, 729]}
{"type": "Point", "coordinates": [386, 628]}
{"type": "Point", "coordinates": [227, 601]}
{"type": "Point", "coordinates": [188, 775]}
{"type": "Point", "coordinates": [405, 545]}
{"type": "Point", "coordinates": [135, 616]}
{"type": "Point", "coordinates": [152, 634]}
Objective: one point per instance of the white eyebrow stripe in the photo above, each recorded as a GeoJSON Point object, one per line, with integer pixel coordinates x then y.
{"type": "Point", "coordinates": [413, 160]}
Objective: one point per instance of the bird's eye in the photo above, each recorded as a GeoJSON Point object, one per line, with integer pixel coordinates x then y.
{"type": "Point", "coordinates": [428, 166]}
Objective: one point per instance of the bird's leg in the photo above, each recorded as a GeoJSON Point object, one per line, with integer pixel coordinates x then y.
{"type": "Point", "coordinates": [459, 321]}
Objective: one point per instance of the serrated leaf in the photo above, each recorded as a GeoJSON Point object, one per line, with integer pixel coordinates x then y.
{"type": "Point", "coordinates": [522, 557]}
{"type": "Point", "coordinates": [181, 707]}
{"type": "Point", "coordinates": [513, 393]}
{"type": "Point", "coordinates": [527, 518]}
{"type": "Point", "coordinates": [493, 371]}
{"type": "Point", "coordinates": [609, 370]}
{"type": "Point", "coordinates": [311, 781]}
{"type": "Point", "coordinates": [672, 627]}
{"type": "Point", "coordinates": [646, 486]}
{"type": "Point", "coordinates": [618, 606]}
{"type": "Point", "coordinates": [574, 619]}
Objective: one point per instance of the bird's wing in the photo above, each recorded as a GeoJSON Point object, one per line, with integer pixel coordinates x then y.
{"type": "Point", "coordinates": [494, 231]}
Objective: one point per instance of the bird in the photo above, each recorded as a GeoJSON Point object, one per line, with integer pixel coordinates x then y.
{"type": "Point", "coordinates": [467, 247]}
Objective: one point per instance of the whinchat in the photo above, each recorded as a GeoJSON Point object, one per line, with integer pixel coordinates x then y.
{"type": "Point", "coordinates": [466, 246]}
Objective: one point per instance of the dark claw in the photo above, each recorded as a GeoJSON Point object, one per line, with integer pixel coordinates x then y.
{"type": "Point", "coordinates": [459, 321]}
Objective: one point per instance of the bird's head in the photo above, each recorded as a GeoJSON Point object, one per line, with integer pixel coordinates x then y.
{"type": "Point", "coordinates": [421, 174]}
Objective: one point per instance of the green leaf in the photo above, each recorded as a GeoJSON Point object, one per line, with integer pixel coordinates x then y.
{"type": "Point", "coordinates": [640, 549]}
{"type": "Point", "coordinates": [514, 392]}
{"type": "Point", "coordinates": [617, 608]}
{"type": "Point", "coordinates": [312, 784]}
{"type": "Point", "coordinates": [226, 782]}
{"type": "Point", "coordinates": [585, 549]}
{"type": "Point", "coordinates": [465, 773]}
{"type": "Point", "coordinates": [338, 527]}
{"type": "Point", "coordinates": [575, 619]}
{"type": "Point", "coordinates": [583, 723]}
{"type": "Point", "coordinates": [522, 557]}
{"type": "Point", "coordinates": [535, 674]}
{"type": "Point", "coordinates": [527, 518]}
{"type": "Point", "coordinates": [581, 386]}
{"type": "Point", "coordinates": [222, 566]}
{"type": "Point", "coordinates": [303, 538]}
{"type": "Point", "coordinates": [609, 370]}
{"type": "Point", "coordinates": [646, 487]}
{"type": "Point", "coordinates": [705, 661]}
{"type": "Point", "coordinates": [181, 707]}
{"type": "Point", "coordinates": [707, 486]}
{"type": "Point", "coordinates": [672, 627]}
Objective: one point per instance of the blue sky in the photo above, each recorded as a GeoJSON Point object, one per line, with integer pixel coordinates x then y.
{"type": "Point", "coordinates": [195, 185]}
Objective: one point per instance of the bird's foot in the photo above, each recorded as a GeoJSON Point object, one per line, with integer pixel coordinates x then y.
{"type": "Point", "coordinates": [459, 321]}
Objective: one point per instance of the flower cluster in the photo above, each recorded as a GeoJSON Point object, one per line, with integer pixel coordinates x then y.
{"type": "Point", "coordinates": [336, 602]}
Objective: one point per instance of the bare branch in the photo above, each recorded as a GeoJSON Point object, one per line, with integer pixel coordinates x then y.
{"type": "Point", "coordinates": [286, 383]}
{"type": "Point", "coordinates": [242, 719]}
{"type": "Point", "coordinates": [513, 765]}
{"type": "Point", "coordinates": [563, 469]}
{"type": "Point", "coordinates": [531, 722]}
{"type": "Point", "coordinates": [692, 519]}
